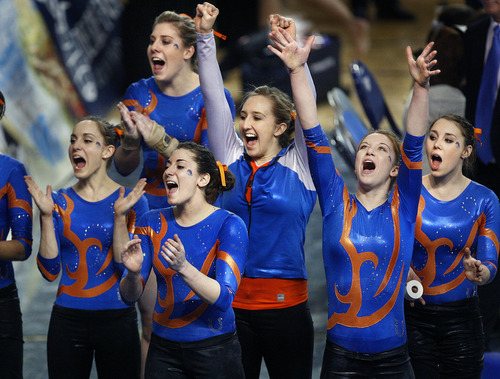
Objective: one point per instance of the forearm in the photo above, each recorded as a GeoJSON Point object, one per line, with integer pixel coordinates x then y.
{"type": "Point", "coordinates": [48, 242]}
{"type": "Point", "coordinates": [303, 96]}
{"type": "Point", "coordinates": [418, 111]}
{"type": "Point", "coordinates": [127, 160]}
{"type": "Point", "coordinates": [131, 287]}
{"type": "Point", "coordinates": [220, 127]}
{"type": "Point", "coordinates": [12, 251]}
{"type": "Point", "coordinates": [120, 236]}
{"type": "Point", "coordinates": [206, 288]}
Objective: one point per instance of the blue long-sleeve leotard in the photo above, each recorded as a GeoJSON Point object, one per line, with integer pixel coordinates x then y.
{"type": "Point", "coordinates": [84, 232]}
{"type": "Point", "coordinates": [217, 247]}
{"type": "Point", "coordinates": [366, 254]}
{"type": "Point", "coordinates": [16, 214]}
{"type": "Point", "coordinates": [443, 230]}
{"type": "Point", "coordinates": [275, 200]}
{"type": "Point", "coordinates": [183, 117]}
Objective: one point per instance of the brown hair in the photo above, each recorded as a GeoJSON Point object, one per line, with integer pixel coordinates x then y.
{"type": "Point", "coordinates": [467, 130]}
{"type": "Point", "coordinates": [282, 108]}
{"type": "Point", "coordinates": [185, 27]}
{"type": "Point", "coordinates": [108, 131]}
{"type": "Point", "coordinates": [396, 145]}
{"type": "Point", "coordinates": [206, 163]}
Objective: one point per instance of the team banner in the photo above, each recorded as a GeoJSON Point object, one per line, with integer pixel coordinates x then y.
{"type": "Point", "coordinates": [59, 61]}
{"type": "Point", "coordinates": [87, 36]}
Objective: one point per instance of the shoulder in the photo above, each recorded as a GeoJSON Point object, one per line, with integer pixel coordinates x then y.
{"type": "Point", "coordinates": [482, 191]}
{"type": "Point", "coordinates": [478, 26]}
{"type": "Point", "coordinates": [228, 218]}
{"type": "Point", "coordinates": [7, 163]}
{"type": "Point", "coordinates": [141, 86]}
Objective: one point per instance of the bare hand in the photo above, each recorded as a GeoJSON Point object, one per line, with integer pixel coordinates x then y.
{"type": "Point", "coordinates": [125, 203]}
{"type": "Point", "coordinates": [276, 21]}
{"type": "Point", "coordinates": [206, 14]}
{"type": "Point", "coordinates": [130, 127]}
{"type": "Point", "coordinates": [173, 252]}
{"type": "Point", "coordinates": [474, 271]}
{"type": "Point", "coordinates": [421, 69]}
{"type": "Point", "coordinates": [132, 255]}
{"type": "Point", "coordinates": [289, 51]}
{"type": "Point", "coordinates": [44, 202]}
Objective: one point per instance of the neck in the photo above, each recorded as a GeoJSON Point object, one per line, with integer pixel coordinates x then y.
{"type": "Point", "coordinates": [372, 198]}
{"type": "Point", "coordinates": [268, 157]}
{"type": "Point", "coordinates": [181, 84]}
{"type": "Point", "coordinates": [193, 212]}
{"type": "Point", "coordinates": [446, 187]}
{"type": "Point", "coordinates": [95, 188]}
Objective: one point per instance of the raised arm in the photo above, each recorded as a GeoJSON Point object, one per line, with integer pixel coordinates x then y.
{"type": "Point", "coordinates": [222, 137]}
{"type": "Point", "coordinates": [295, 57]}
{"type": "Point", "coordinates": [421, 71]}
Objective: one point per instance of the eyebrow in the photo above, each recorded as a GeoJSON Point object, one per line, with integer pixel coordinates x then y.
{"type": "Point", "coordinates": [445, 134]}
{"type": "Point", "coordinates": [151, 36]}
{"type": "Point", "coordinates": [84, 134]}
{"type": "Point", "coordinates": [177, 160]}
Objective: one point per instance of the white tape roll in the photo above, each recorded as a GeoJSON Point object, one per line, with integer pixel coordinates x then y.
{"type": "Point", "coordinates": [414, 290]}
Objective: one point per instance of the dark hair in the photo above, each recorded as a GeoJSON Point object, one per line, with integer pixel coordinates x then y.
{"type": "Point", "coordinates": [396, 145]}
{"type": "Point", "coordinates": [206, 163]}
{"type": "Point", "coordinates": [467, 130]}
{"type": "Point", "coordinates": [282, 108]}
{"type": "Point", "coordinates": [185, 27]}
{"type": "Point", "coordinates": [108, 131]}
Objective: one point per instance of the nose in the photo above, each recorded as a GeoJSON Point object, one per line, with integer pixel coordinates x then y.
{"type": "Point", "coordinates": [77, 145]}
{"type": "Point", "coordinates": [154, 45]}
{"type": "Point", "coordinates": [167, 173]}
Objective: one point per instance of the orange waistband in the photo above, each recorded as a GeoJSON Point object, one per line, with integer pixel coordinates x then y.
{"type": "Point", "coordinates": [261, 293]}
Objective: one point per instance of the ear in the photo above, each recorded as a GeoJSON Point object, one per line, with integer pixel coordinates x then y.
{"type": "Point", "coordinates": [467, 152]}
{"type": "Point", "coordinates": [189, 52]}
{"type": "Point", "coordinates": [280, 129]}
{"type": "Point", "coordinates": [203, 180]}
{"type": "Point", "coordinates": [108, 151]}
{"type": "Point", "coordinates": [394, 172]}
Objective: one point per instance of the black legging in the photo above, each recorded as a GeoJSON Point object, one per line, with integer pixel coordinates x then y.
{"type": "Point", "coordinates": [216, 357]}
{"type": "Point", "coordinates": [339, 362]}
{"type": "Point", "coordinates": [11, 334]}
{"type": "Point", "coordinates": [75, 335]}
{"type": "Point", "coordinates": [283, 337]}
{"type": "Point", "coordinates": [445, 340]}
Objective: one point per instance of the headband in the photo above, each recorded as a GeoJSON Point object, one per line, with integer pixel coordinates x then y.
{"type": "Point", "coordinates": [478, 131]}
{"type": "Point", "coordinates": [222, 169]}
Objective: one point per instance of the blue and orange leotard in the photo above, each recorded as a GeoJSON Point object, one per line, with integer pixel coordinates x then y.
{"type": "Point", "coordinates": [367, 254]}
{"type": "Point", "coordinates": [274, 200]}
{"type": "Point", "coordinates": [90, 276]}
{"type": "Point", "coordinates": [217, 247]}
{"type": "Point", "coordinates": [16, 214]}
{"type": "Point", "coordinates": [443, 230]}
{"type": "Point", "coordinates": [183, 117]}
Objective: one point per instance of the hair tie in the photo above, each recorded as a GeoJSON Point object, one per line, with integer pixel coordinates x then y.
{"type": "Point", "coordinates": [222, 169]}
{"type": "Point", "coordinates": [217, 34]}
{"type": "Point", "coordinates": [478, 131]}
{"type": "Point", "coordinates": [119, 132]}
{"type": "Point", "coordinates": [293, 115]}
